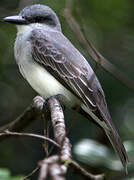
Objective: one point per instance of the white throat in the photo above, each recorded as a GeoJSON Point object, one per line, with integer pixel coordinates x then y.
{"type": "Point", "coordinates": [24, 28]}
{"type": "Point", "coordinates": [37, 76]}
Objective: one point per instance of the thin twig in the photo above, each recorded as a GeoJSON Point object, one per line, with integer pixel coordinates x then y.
{"type": "Point", "coordinates": [69, 4]}
{"type": "Point", "coordinates": [93, 51]}
{"type": "Point", "coordinates": [46, 133]}
{"type": "Point", "coordinates": [27, 117]}
{"type": "Point", "coordinates": [85, 173]}
{"type": "Point", "coordinates": [55, 165]}
{"type": "Point", "coordinates": [30, 174]}
{"type": "Point", "coordinates": [7, 132]}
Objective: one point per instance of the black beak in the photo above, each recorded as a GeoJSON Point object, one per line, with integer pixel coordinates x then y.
{"type": "Point", "coordinates": [18, 20]}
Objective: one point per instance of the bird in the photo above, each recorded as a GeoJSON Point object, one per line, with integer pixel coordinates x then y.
{"type": "Point", "coordinates": [52, 65]}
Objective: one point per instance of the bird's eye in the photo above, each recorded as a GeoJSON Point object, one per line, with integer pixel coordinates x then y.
{"type": "Point", "coordinates": [46, 20]}
{"type": "Point", "coordinates": [39, 19]}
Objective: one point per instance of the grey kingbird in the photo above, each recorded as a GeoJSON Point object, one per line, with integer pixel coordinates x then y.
{"type": "Point", "coordinates": [52, 65]}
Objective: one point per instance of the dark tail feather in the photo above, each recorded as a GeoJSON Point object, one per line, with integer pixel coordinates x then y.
{"type": "Point", "coordinates": [114, 137]}
{"type": "Point", "coordinates": [118, 146]}
{"type": "Point", "coordinates": [111, 133]}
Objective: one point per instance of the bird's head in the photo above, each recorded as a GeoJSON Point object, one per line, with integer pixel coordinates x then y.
{"type": "Point", "coordinates": [34, 14]}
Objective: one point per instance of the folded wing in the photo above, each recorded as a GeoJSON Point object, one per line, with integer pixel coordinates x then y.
{"type": "Point", "coordinates": [56, 53]}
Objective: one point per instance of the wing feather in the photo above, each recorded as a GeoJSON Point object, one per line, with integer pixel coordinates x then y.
{"type": "Point", "coordinates": [60, 57]}
{"type": "Point", "coordinates": [47, 55]}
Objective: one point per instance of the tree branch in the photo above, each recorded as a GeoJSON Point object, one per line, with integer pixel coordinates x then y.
{"type": "Point", "coordinates": [27, 117]}
{"type": "Point", "coordinates": [58, 123]}
{"type": "Point", "coordinates": [7, 132]}
{"type": "Point", "coordinates": [84, 173]}
{"type": "Point", "coordinates": [93, 51]}
{"type": "Point", "coordinates": [56, 166]}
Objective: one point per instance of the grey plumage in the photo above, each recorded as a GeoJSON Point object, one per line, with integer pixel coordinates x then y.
{"type": "Point", "coordinates": [53, 50]}
{"type": "Point", "coordinates": [44, 49]}
{"type": "Point", "coordinates": [41, 13]}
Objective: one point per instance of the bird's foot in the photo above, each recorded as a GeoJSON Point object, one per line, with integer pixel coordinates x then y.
{"type": "Point", "coordinates": [56, 97]}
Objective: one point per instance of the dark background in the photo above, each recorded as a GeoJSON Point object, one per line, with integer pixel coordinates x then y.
{"type": "Point", "coordinates": [110, 27]}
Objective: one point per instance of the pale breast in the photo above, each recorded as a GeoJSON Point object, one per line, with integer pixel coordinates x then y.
{"type": "Point", "coordinates": [45, 84]}
{"type": "Point", "coordinates": [36, 75]}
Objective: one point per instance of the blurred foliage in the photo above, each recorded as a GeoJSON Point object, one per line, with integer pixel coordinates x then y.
{"type": "Point", "coordinates": [6, 175]}
{"type": "Point", "coordinates": [110, 27]}
{"type": "Point", "coordinates": [95, 154]}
